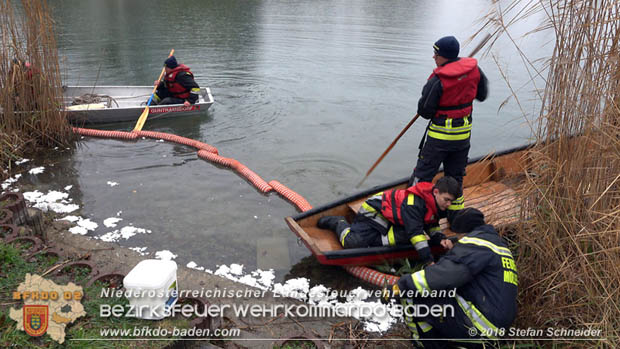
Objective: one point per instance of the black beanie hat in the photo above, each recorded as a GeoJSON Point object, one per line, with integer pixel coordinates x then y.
{"type": "Point", "coordinates": [467, 220]}
{"type": "Point", "coordinates": [447, 47]}
{"type": "Point", "coordinates": [171, 62]}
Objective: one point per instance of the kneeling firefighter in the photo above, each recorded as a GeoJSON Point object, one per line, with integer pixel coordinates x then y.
{"type": "Point", "coordinates": [482, 271]}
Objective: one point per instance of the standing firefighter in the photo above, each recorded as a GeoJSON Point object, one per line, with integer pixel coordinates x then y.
{"type": "Point", "coordinates": [482, 271]}
{"type": "Point", "coordinates": [447, 102]}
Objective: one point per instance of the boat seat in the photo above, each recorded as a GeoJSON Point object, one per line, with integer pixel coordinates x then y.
{"type": "Point", "coordinates": [356, 205]}
{"type": "Point", "coordinates": [498, 202]}
{"type": "Point", "coordinates": [91, 106]}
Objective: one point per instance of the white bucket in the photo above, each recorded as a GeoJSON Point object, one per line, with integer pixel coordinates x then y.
{"type": "Point", "coordinates": [151, 288]}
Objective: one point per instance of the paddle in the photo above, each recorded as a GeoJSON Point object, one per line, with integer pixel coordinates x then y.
{"type": "Point", "coordinates": [482, 43]}
{"type": "Point", "coordinates": [145, 113]}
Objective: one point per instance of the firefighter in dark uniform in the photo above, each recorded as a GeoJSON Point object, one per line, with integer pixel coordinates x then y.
{"type": "Point", "coordinates": [447, 103]}
{"type": "Point", "coordinates": [178, 85]}
{"type": "Point", "coordinates": [482, 270]}
{"type": "Point", "coordinates": [399, 217]}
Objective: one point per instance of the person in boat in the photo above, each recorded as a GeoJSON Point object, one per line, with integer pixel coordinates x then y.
{"type": "Point", "coordinates": [399, 217]}
{"type": "Point", "coordinates": [446, 102]}
{"type": "Point", "coordinates": [178, 85]}
{"type": "Point", "coordinates": [481, 270]}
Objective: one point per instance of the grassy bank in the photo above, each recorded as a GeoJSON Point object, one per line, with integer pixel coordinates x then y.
{"type": "Point", "coordinates": [13, 269]}
{"type": "Point", "coordinates": [30, 83]}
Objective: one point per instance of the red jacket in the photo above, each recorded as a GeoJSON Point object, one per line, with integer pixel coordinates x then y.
{"type": "Point", "coordinates": [393, 199]}
{"type": "Point", "coordinates": [175, 88]}
{"type": "Point", "coordinates": [460, 83]}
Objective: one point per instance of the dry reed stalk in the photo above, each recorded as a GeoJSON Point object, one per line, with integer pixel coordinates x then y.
{"type": "Point", "coordinates": [568, 251]}
{"type": "Point", "coordinates": [30, 117]}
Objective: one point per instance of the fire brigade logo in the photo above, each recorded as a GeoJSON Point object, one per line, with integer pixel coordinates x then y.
{"type": "Point", "coordinates": [35, 319]}
{"type": "Point", "coordinates": [48, 308]}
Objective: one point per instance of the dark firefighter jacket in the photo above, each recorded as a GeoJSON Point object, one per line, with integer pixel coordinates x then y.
{"type": "Point", "coordinates": [483, 271]}
{"type": "Point", "coordinates": [413, 210]}
{"type": "Point", "coordinates": [181, 84]}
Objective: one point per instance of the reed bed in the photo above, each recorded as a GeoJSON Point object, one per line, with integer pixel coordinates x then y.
{"type": "Point", "coordinates": [30, 82]}
{"type": "Point", "coordinates": [568, 241]}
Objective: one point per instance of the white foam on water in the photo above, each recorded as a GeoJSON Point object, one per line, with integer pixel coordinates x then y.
{"type": "Point", "coordinates": [376, 317]}
{"type": "Point", "coordinates": [112, 236]}
{"type": "Point", "coordinates": [140, 250]}
{"type": "Point", "coordinates": [293, 288]}
{"type": "Point", "coordinates": [22, 161]}
{"type": "Point", "coordinates": [111, 222]}
{"type": "Point", "coordinates": [83, 225]}
{"type": "Point", "coordinates": [88, 224]}
{"type": "Point", "coordinates": [36, 170]}
{"type": "Point", "coordinates": [52, 201]}
{"type": "Point", "coordinates": [165, 255]}
{"type": "Point", "coordinates": [69, 218]}
{"type": "Point", "coordinates": [112, 184]}
{"type": "Point", "coordinates": [124, 233]}
{"type": "Point", "coordinates": [78, 230]}
{"type": "Point", "coordinates": [193, 265]}
{"type": "Point", "coordinates": [9, 181]}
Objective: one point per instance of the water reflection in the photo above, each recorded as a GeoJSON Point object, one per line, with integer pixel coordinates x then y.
{"type": "Point", "coordinates": [308, 93]}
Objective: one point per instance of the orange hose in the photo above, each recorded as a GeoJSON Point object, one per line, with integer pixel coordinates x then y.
{"type": "Point", "coordinates": [215, 158]}
{"type": "Point", "coordinates": [205, 146]}
{"type": "Point", "coordinates": [291, 196]}
{"type": "Point", "coordinates": [105, 133]}
{"type": "Point", "coordinates": [251, 176]}
{"type": "Point", "coordinates": [210, 153]}
{"type": "Point", "coordinates": [178, 139]}
{"type": "Point", "coordinates": [372, 276]}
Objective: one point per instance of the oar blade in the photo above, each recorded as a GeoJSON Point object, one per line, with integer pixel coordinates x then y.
{"type": "Point", "coordinates": [142, 119]}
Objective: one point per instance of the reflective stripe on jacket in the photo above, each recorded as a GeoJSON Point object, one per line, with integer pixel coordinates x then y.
{"type": "Point", "coordinates": [393, 199]}
{"type": "Point", "coordinates": [459, 81]}
{"type": "Point", "coordinates": [483, 271]}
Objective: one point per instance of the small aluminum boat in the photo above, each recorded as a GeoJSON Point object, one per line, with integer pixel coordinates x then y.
{"type": "Point", "coordinates": [108, 104]}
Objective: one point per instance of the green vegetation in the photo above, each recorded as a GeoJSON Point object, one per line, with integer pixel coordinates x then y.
{"type": "Point", "coordinates": [297, 344]}
{"type": "Point", "coordinates": [13, 269]}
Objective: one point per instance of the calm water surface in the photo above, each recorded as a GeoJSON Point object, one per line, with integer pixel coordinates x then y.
{"type": "Point", "coordinates": [307, 92]}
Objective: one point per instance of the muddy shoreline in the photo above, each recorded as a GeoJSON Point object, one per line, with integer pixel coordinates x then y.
{"type": "Point", "coordinates": [255, 331]}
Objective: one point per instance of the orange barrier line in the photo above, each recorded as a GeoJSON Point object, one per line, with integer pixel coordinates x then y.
{"type": "Point", "coordinates": [178, 139]}
{"type": "Point", "coordinates": [372, 276]}
{"type": "Point", "coordinates": [210, 153]}
{"type": "Point", "coordinates": [292, 196]}
{"type": "Point", "coordinates": [105, 133]}
{"type": "Point", "coordinates": [215, 158]}
{"type": "Point", "coordinates": [253, 178]}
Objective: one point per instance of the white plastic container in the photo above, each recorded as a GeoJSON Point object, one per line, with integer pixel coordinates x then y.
{"type": "Point", "coordinates": [151, 288]}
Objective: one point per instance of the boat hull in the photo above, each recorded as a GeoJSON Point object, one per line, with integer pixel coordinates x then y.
{"type": "Point", "coordinates": [127, 104]}
{"type": "Point", "coordinates": [490, 186]}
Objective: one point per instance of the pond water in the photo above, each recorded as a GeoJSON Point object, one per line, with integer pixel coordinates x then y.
{"type": "Point", "coordinates": [309, 93]}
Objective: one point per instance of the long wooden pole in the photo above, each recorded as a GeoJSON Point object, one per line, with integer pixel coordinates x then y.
{"type": "Point", "coordinates": [145, 113]}
{"type": "Point", "coordinates": [480, 45]}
